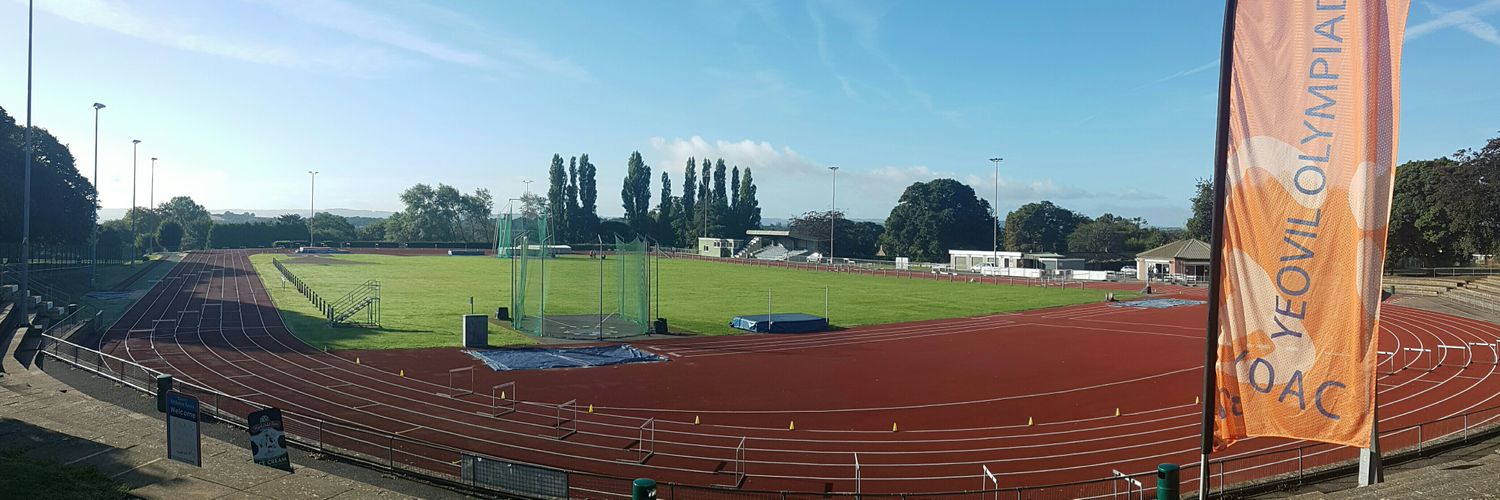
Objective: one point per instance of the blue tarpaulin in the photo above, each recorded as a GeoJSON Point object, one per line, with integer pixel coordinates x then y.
{"type": "Point", "coordinates": [541, 358]}
{"type": "Point", "coordinates": [1158, 303]}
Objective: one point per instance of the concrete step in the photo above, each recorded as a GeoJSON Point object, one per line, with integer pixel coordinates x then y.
{"type": "Point", "coordinates": [1419, 289]}
{"type": "Point", "coordinates": [1401, 280]}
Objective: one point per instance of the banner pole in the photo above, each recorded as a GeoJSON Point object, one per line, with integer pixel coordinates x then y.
{"type": "Point", "coordinates": [1216, 259]}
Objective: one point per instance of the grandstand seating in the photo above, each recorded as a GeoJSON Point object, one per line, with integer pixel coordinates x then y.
{"type": "Point", "coordinates": [1431, 287]}
{"type": "Point", "coordinates": [1482, 293]}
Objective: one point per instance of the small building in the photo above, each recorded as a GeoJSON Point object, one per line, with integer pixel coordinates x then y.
{"type": "Point", "coordinates": [1053, 261]}
{"type": "Point", "coordinates": [717, 247]}
{"type": "Point", "coordinates": [1187, 258]}
{"type": "Point", "coordinates": [964, 260]}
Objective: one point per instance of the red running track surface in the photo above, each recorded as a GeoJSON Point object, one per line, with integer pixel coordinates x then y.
{"type": "Point", "coordinates": [961, 392]}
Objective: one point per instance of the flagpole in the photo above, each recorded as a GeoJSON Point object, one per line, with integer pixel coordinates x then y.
{"type": "Point", "coordinates": [1216, 257]}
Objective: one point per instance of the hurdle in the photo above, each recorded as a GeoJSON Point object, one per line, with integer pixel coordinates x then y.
{"type": "Point", "coordinates": [1443, 353]}
{"type": "Point", "coordinates": [646, 444]}
{"type": "Point", "coordinates": [858, 480]}
{"type": "Point", "coordinates": [1130, 483]}
{"type": "Point", "coordinates": [987, 481]}
{"type": "Point", "coordinates": [503, 399]}
{"type": "Point", "coordinates": [1389, 357]}
{"type": "Point", "coordinates": [456, 375]}
{"type": "Point", "coordinates": [1494, 353]}
{"type": "Point", "coordinates": [737, 474]}
{"type": "Point", "coordinates": [1420, 352]}
{"type": "Point", "coordinates": [569, 426]}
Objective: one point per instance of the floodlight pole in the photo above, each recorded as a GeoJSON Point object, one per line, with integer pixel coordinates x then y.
{"type": "Point", "coordinates": [995, 217]}
{"type": "Point", "coordinates": [527, 182]}
{"type": "Point", "coordinates": [135, 146]}
{"type": "Point", "coordinates": [833, 215]}
{"type": "Point", "coordinates": [152, 198]}
{"type": "Point", "coordinates": [26, 204]}
{"type": "Point", "coordinates": [601, 285]}
{"type": "Point", "coordinates": [152, 183]}
{"type": "Point", "coordinates": [312, 196]}
{"type": "Point", "coordinates": [94, 231]}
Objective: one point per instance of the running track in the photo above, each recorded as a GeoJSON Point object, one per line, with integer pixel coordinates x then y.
{"type": "Point", "coordinates": [961, 391]}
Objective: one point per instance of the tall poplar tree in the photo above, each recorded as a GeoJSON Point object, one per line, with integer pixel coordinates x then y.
{"type": "Point", "coordinates": [747, 206]}
{"type": "Point", "coordinates": [635, 195]}
{"type": "Point", "coordinates": [665, 231]}
{"type": "Point", "coordinates": [575, 213]}
{"type": "Point", "coordinates": [557, 206]}
{"type": "Point", "coordinates": [588, 197]}
{"type": "Point", "coordinates": [689, 202]}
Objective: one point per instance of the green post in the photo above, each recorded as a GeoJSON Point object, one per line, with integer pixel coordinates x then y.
{"type": "Point", "coordinates": [1167, 487]}
{"type": "Point", "coordinates": [163, 386]}
{"type": "Point", "coordinates": [643, 489]}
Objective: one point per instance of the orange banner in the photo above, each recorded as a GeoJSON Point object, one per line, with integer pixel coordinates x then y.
{"type": "Point", "coordinates": [1314, 101]}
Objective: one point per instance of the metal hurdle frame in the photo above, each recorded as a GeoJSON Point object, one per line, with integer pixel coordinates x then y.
{"type": "Point", "coordinates": [1130, 482]}
{"type": "Point", "coordinates": [738, 478]}
{"type": "Point", "coordinates": [646, 444]}
{"type": "Point", "coordinates": [1390, 356]}
{"type": "Point", "coordinates": [1443, 351]}
{"type": "Point", "coordinates": [987, 479]}
{"type": "Point", "coordinates": [1495, 359]}
{"type": "Point", "coordinates": [567, 427]}
{"type": "Point", "coordinates": [858, 477]}
{"type": "Point", "coordinates": [503, 396]}
{"type": "Point", "coordinates": [1420, 351]}
{"type": "Point", "coordinates": [452, 390]}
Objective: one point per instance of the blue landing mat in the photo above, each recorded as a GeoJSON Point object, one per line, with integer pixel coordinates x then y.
{"type": "Point", "coordinates": [1158, 303]}
{"type": "Point", "coordinates": [540, 358]}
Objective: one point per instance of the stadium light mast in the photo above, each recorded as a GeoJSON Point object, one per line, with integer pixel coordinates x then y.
{"type": "Point", "coordinates": [527, 182]}
{"type": "Point", "coordinates": [94, 231]}
{"type": "Point", "coordinates": [995, 216]}
{"type": "Point", "coordinates": [152, 197]}
{"type": "Point", "coordinates": [833, 214]}
{"type": "Point", "coordinates": [135, 146]}
{"type": "Point", "coordinates": [26, 197]}
{"type": "Point", "coordinates": [312, 197]}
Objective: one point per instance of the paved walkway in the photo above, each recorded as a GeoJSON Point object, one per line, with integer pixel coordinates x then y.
{"type": "Point", "coordinates": [45, 418]}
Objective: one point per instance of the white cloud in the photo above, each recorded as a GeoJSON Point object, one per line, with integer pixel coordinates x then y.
{"type": "Point", "coordinates": [1193, 71]}
{"type": "Point", "coordinates": [1465, 19]}
{"type": "Point", "coordinates": [118, 18]}
{"type": "Point", "coordinates": [348, 19]}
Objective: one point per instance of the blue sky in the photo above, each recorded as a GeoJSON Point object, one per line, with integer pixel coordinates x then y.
{"type": "Point", "coordinates": [1095, 105]}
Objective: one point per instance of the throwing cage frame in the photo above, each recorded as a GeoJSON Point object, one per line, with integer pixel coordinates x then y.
{"type": "Point", "coordinates": [623, 306]}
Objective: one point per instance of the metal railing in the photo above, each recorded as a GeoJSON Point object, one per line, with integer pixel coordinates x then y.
{"type": "Point", "coordinates": [446, 464]}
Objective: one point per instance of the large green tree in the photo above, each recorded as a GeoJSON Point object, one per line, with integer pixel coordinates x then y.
{"type": "Point", "coordinates": [1040, 227]}
{"type": "Point", "coordinates": [194, 219]}
{"type": "Point", "coordinates": [1200, 225]}
{"type": "Point", "coordinates": [169, 235]}
{"type": "Point", "coordinates": [62, 200]}
{"type": "Point", "coordinates": [1110, 233]}
{"type": "Point", "coordinates": [575, 211]}
{"type": "Point", "coordinates": [934, 217]}
{"type": "Point", "coordinates": [441, 214]}
{"type": "Point", "coordinates": [330, 227]}
{"type": "Point", "coordinates": [636, 194]}
{"type": "Point", "coordinates": [1421, 231]}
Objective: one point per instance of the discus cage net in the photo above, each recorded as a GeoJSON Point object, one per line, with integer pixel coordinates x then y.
{"type": "Point", "coordinates": [604, 295]}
